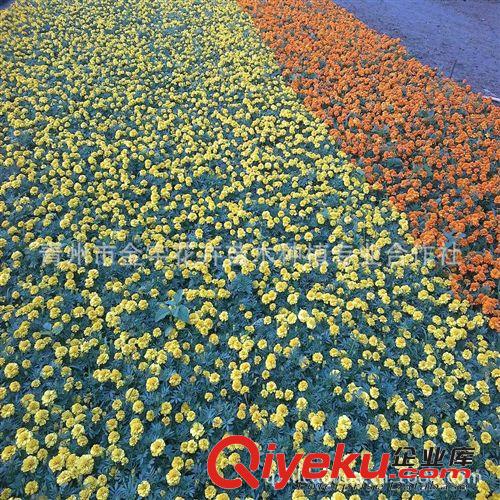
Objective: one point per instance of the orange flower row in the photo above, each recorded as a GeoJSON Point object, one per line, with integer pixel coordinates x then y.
{"type": "Point", "coordinates": [431, 142]}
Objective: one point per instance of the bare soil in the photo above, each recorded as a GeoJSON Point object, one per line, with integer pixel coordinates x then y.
{"type": "Point", "coordinates": [459, 37]}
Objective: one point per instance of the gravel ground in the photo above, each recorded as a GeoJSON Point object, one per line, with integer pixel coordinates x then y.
{"type": "Point", "coordinates": [460, 37]}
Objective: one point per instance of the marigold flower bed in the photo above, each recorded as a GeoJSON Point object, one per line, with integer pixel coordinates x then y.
{"type": "Point", "coordinates": [131, 131]}
{"type": "Point", "coordinates": [432, 143]}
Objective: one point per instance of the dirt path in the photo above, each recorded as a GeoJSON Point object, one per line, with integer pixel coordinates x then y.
{"type": "Point", "coordinates": [460, 37]}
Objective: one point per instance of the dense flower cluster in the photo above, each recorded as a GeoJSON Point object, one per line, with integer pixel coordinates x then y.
{"type": "Point", "coordinates": [166, 126]}
{"type": "Point", "coordinates": [432, 143]}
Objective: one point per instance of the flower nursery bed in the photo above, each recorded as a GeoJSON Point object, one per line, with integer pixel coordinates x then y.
{"type": "Point", "coordinates": [430, 142]}
{"type": "Point", "coordinates": [173, 266]}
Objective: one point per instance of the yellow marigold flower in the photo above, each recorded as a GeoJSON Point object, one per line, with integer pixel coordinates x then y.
{"type": "Point", "coordinates": [157, 447]}
{"type": "Point", "coordinates": [152, 384]}
{"type": "Point", "coordinates": [175, 379]}
{"type": "Point", "coordinates": [197, 430]}
{"type": "Point", "coordinates": [301, 404]}
{"type": "Point", "coordinates": [461, 417]}
{"type": "Point", "coordinates": [372, 432]}
{"type": "Point", "coordinates": [449, 436]}
{"type": "Point", "coordinates": [31, 487]}
{"type": "Point", "coordinates": [485, 437]}
{"type": "Point", "coordinates": [210, 492]}
{"type": "Point", "coordinates": [30, 464]}
{"type": "Point", "coordinates": [11, 370]}
{"type": "Point", "coordinates": [8, 452]}
{"type": "Point", "coordinates": [143, 489]}
{"type": "Point", "coordinates": [173, 477]}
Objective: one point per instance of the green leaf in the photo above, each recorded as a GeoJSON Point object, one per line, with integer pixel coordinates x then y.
{"type": "Point", "coordinates": [162, 312]}
{"type": "Point", "coordinates": [178, 296]}
{"type": "Point", "coordinates": [394, 163]}
{"type": "Point", "coordinates": [183, 313]}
